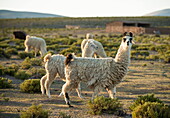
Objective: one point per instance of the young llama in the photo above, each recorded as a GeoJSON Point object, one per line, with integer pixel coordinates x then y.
{"type": "Point", "coordinates": [100, 51]}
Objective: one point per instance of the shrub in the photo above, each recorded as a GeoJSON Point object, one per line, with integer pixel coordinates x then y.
{"type": "Point", "coordinates": [11, 51]}
{"type": "Point", "coordinates": [20, 47]}
{"type": "Point", "coordinates": [22, 74]}
{"type": "Point", "coordinates": [23, 55]}
{"type": "Point", "coordinates": [153, 57]}
{"type": "Point", "coordinates": [4, 45]}
{"type": "Point", "coordinates": [166, 56]}
{"type": "Point", "coordinates": [37, 72]}
{"type": "Point", "coordinates": [152, 48]}
{"type": "Point", "coordinates": [35, 62]}
{"type": "Point", "coordinates": [35, 112]}
{"type": "Point", "coordinates": [2, 70]}
{"type": "Point", "coordinates": [5, 83]}
{"type": "Point", "coordinates": [144, 65]}
{"type": "Point", "coordinates": [12, 69]}
{"type": "Point", "coordinates": [30, 86]}
{"type": "Point", "coordinates": [102, 104]}
{"type": "Point", "coordinates": [151, 110]}
{"type": "Point", "coordinates": [26, 63]}
{"type": "Point", "coordinates": [142, 99]}
{"type": "Point", "coordinates": [6, 99]}
{"type": "Point", "coordinates": [4, 54]}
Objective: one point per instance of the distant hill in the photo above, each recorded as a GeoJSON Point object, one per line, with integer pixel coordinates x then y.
{"type": "Point", "coordinates": [164, 12]}
{"type": "Point", "coordinates": [22, 14]}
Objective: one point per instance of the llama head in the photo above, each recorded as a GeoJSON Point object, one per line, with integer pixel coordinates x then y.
{"type": "Point", "coordinates": [90, 44]}
{"type": "Point", "coordinates": [127, 40]}
{"type": "Point", "coordinates": [89, 36]}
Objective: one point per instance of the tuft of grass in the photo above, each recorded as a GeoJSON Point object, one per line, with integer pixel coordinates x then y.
{"type": "Point", "coordinates": [22, 74]}
{"type": "Point", "coordinates": [35, 62]}
{"type": "Point", "coordinates": [102, 105]}
{"type": "Point", "coordinates": [37, 72]}
{"type": "Point", "coordinates": [142, 99]}
{"type": "Point", "coordinates": [5, 83]}
{"type": "Point", "coordinates": [24, 55]}
{"type": "Point", "coordinates": [4, 54]}
{"type": "Point", "coordinates": [35, 111]}
{"type": "Point", "coordinates": [6, 99]}
{"type": "Point", "coordinates": [27, 63]}
{"type": "Point", "coordinates": [2, 70]}
{"type": "Point", "coordinates": [30, 86]}
{"type": "Point", "coordinates": [11, 70]}
{"type": "Point", "coordinates": [2, 95]}
{"type": "Point", "coordinates": [151, 110]}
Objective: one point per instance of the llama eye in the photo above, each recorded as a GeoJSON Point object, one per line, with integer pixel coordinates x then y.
{"type": "Point", "coordinates": [130, 39]}
{"type": "Point", "coordinates": [124, 39]}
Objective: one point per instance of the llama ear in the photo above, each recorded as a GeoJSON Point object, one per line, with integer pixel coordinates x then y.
{"type": "Point", "coordinates": [131, 34]}
{"type": "Point", "coordinates": [125, 34]}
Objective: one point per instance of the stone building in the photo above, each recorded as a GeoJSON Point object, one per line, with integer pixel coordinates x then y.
{"type": "Point", "coordinates": [135, 27]}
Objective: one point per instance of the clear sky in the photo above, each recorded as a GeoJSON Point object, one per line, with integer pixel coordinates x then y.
{"type": "Point", "coordinates": [87, 8]}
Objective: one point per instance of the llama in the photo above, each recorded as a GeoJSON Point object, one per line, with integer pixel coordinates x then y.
{"type": "Point", "coordinates": [100, 51]}
{"type": "Point", "coordinates": [38, 44]}
{"type": "Point", "coordinates": [55, 68]}
{"type": "Point", "coordinates": [19, 34]}
{"type": "Point", "coordinates": [98, 73]}
{"type": "Point", "coordinates": [89, 49]}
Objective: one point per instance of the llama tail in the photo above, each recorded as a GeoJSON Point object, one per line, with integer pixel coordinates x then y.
{"type": "Point", "coordinates": [68, 59]}
{"type": "Point", "coordinates": [47, 57]}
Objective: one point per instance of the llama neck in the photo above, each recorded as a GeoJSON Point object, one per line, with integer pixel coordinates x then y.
{"type": "Point", "coordinates": [123, 55]}
{"type": "Point", "coordinates": [87, 52]}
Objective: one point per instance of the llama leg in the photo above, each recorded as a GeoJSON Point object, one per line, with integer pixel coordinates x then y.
{"type": "Point", "coordinates": [95, 55]}
{"type": "Point", "coordinates": [43, 51]}
{"type": "Point", "coordinates": [48, 82]}
{"type": "Point", "coordinates": [35, 50]}
{"type": "Point", "coordinates": [27, 49]}
{"type": "Point", "coordinates": [95, 92]}
{"type": "Point", "coordinates": [60, 94]}
{"type": "Point", "coordinates": [68, 93]}
{"type": "Point", "coordinates": [112, 92]}
{"type": "Point", "coordinates": [78, 89]}
{"type": "Point", "coordinates": [42, 83]}
{"type": "Point", "coordinates": [65, 89]}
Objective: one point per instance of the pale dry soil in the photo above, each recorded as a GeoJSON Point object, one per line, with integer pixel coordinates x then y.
{"type": "Point", "coordinates": [143, 77]}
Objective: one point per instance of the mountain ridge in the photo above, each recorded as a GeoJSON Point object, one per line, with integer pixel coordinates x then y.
{"type": "Point", "coordinates": [4, 14]}
{"type": "Point", "coordinates": [162, 12]}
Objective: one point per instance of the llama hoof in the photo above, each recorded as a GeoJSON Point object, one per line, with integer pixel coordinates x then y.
{"type": "Point", "coordinates": [70, 106]}
{"type": "Point", "coordinates": [81, 97]}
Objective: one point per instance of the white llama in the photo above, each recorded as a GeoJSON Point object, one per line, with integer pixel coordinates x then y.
{"type": "Point", "coordinates": [54, 66]}
{"type": "Point", "coordinates": [100, 51]}
{"type": "Point", "coordinates": [36, 43]}
{"type": "Point", "coordinates": [98, 73]}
